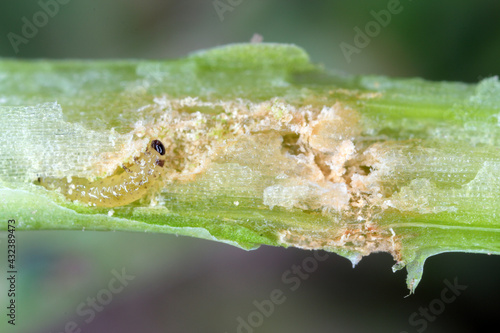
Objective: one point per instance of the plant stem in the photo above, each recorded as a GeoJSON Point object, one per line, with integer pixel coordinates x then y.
{"type": "Point", "coordinates": [263, 147]}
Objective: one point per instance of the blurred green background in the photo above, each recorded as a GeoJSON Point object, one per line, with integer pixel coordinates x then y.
{"type": "Point", "coordinates": [189, 285]}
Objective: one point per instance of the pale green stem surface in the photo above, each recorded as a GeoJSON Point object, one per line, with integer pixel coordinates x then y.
{"type": "Point", "coordinates": [266, 148]}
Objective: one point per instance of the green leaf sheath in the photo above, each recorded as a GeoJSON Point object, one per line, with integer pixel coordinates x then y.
{"type": "Point", "coordinates": [261, 147]}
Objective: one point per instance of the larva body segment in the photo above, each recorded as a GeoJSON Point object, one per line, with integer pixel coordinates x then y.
{"type": "Point", "coordinates": [135, 180]}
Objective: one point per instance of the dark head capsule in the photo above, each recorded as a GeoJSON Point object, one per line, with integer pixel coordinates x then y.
{"type": "Point", "coordinates": [158, 146]}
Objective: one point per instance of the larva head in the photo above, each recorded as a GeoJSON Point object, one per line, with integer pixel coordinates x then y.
{"type": "Point", "coordinates": [160, 149]}
{"type": "Point", "coordinates": [158, 146]}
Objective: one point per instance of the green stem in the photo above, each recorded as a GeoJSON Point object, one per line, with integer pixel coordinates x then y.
{"type": "Point", "coordinates": [263, 148]}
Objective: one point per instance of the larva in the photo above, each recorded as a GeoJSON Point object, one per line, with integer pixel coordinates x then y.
{"type": "Point", "coordinates": [131, 184]}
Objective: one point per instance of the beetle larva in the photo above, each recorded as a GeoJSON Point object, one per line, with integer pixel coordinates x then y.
{"type": "Point", "coordinates": [135, 180]}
